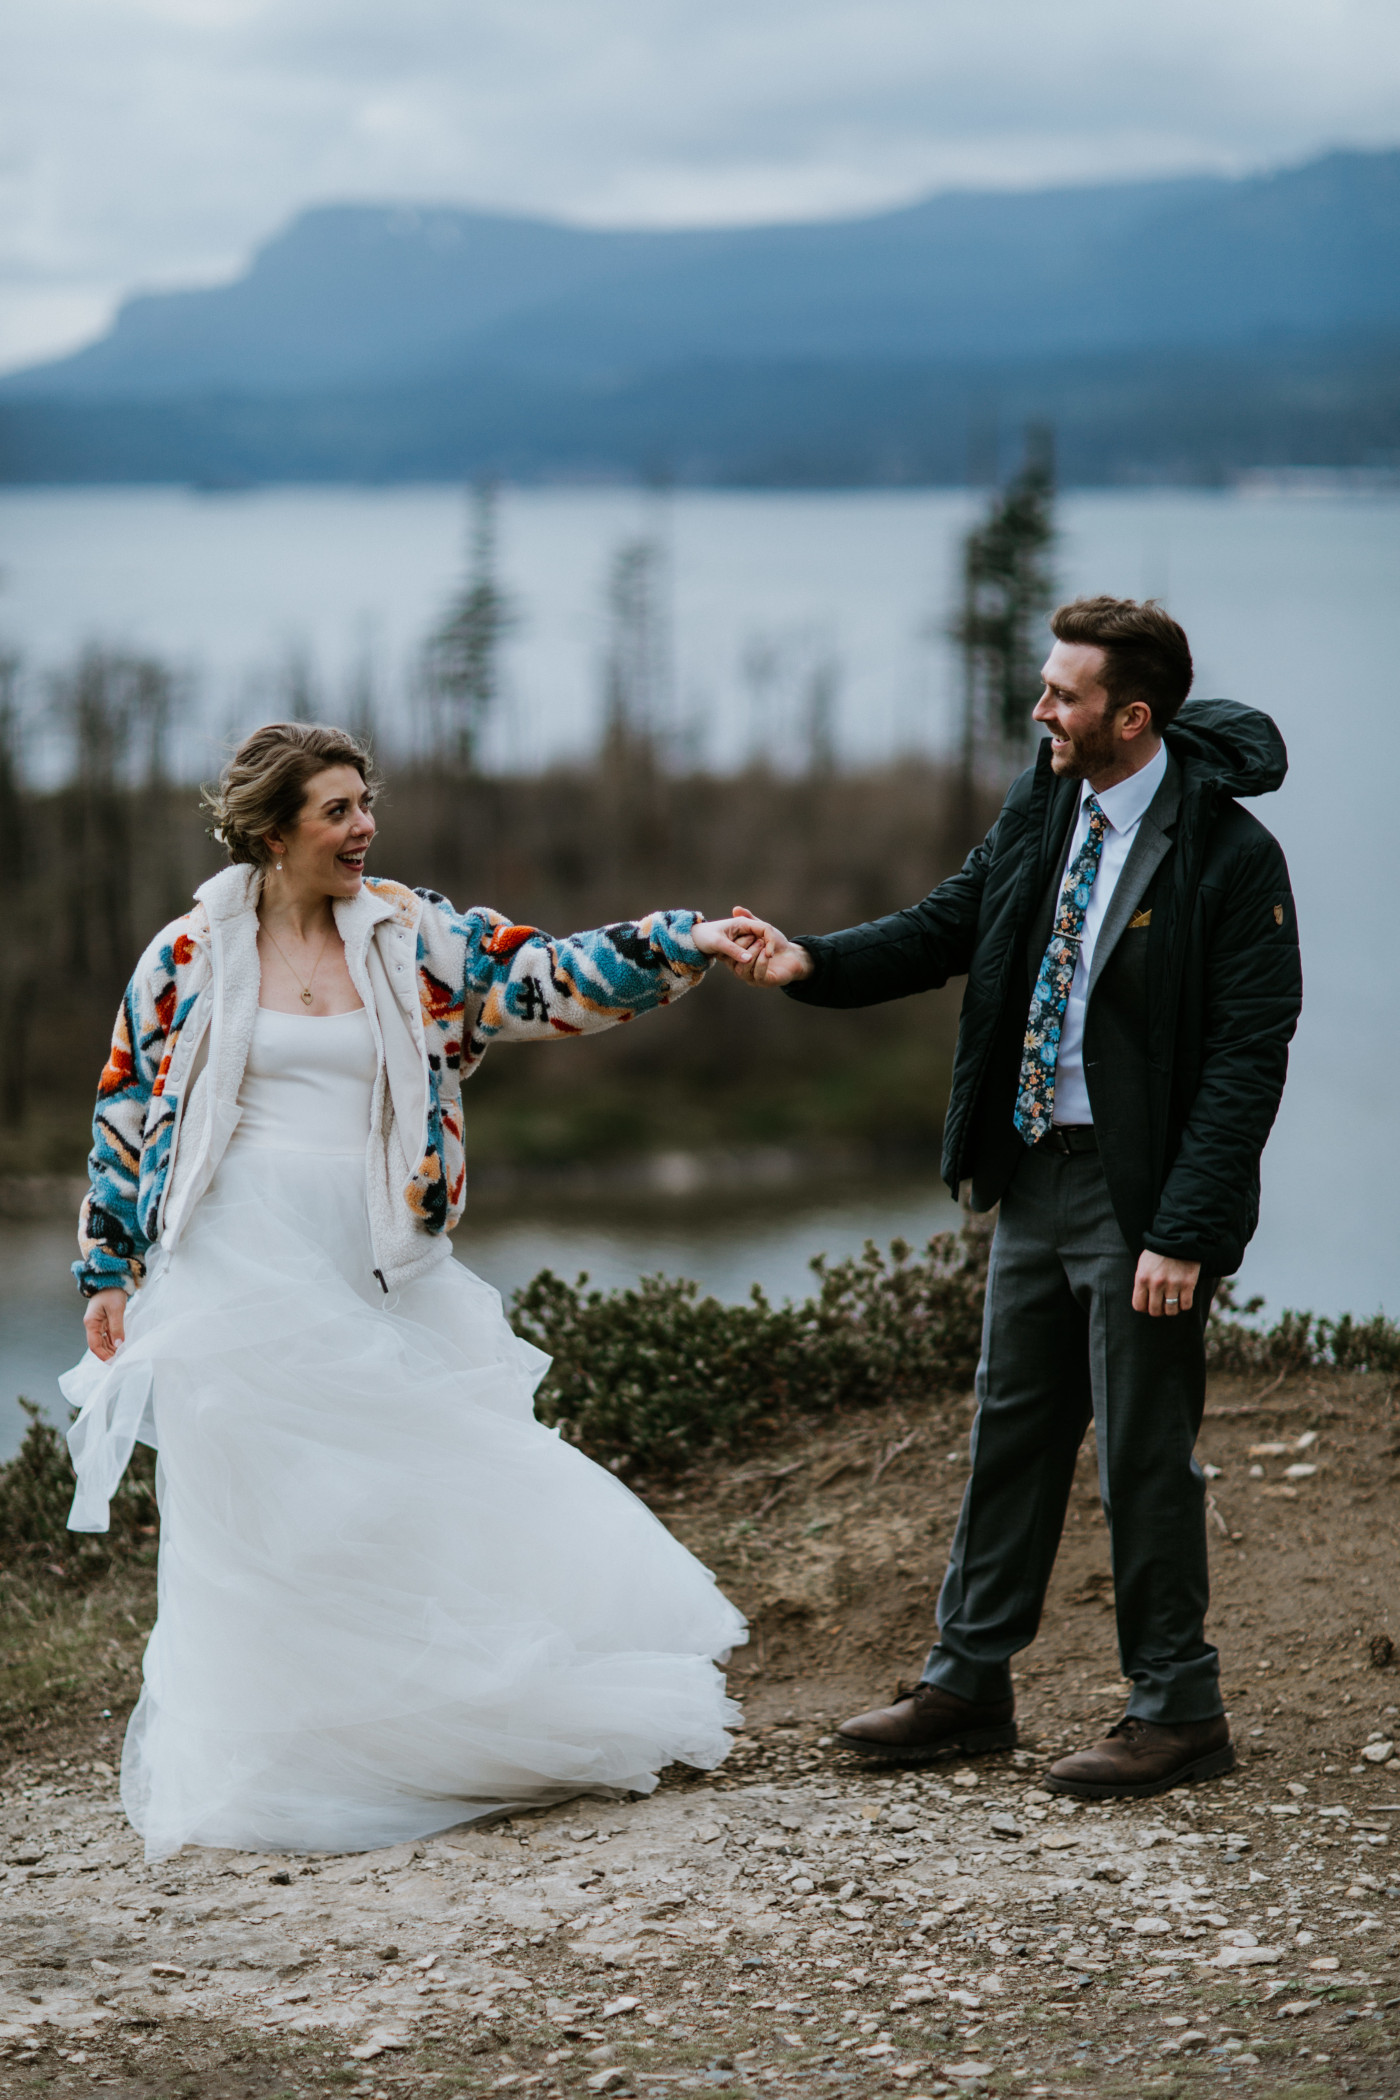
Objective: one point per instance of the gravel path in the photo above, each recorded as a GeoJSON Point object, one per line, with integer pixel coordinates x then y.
{"type": "Point", "coordinates": [797, 1924]}
{"type": "Point", "coordinates": [818, 1927]}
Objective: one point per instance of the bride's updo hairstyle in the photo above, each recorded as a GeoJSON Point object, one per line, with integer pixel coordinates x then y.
{"type": "Point", "coordinates": [263, 786]}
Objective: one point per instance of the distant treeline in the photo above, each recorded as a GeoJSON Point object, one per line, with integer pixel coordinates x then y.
{"type": "Point", "coordinates": [1180, 414]}
{"type": "Point", "coordinates": [90, 868]}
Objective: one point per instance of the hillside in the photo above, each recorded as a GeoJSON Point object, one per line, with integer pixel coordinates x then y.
{"type": "Point", "coordinates": [1182, 328]}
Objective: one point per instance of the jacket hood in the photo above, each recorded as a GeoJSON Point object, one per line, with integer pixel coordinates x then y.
{"type": "Point", "coordinates": [1225, 745]}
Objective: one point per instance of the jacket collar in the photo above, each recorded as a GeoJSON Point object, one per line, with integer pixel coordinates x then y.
{"type": "Point", "coordinates": [235, 890]}
{"type": "Point", "coordinates": [356, 917]}
{"type": "Point", "coordinates": [1165, 807]}
{"type": "Point", "coordinates": [231, 891]}
{"type": "Point", "coordinates": [1126, 803]}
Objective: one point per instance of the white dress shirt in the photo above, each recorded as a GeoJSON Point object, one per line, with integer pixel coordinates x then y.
{"type": "Point", "coordinates": [1124, 806]}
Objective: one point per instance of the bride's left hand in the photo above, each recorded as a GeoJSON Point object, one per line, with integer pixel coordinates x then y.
{"type": "Point", "coordinates": [104, 1319]}
{"type": "Point", "coordinates": [731, 938]}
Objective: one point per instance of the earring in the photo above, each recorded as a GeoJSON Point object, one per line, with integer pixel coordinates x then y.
{"type": "Point", "coordinates": [279, 867]}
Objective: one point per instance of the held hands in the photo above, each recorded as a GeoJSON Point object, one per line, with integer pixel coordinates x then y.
{"type": "Point", "coordinates": [724, 937]}
{"type": "Point", "coordinates": [754, 950]}
{"type": "Point", "coordinates": [105, 1322]}
{"type": "Point", "coordinates": [1164, 1286]}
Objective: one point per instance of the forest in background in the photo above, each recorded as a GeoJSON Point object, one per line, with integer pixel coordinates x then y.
{"type": "Point", "coordinates": [104, 848]}
{"type": "Point", "coordinates": [91, 869]}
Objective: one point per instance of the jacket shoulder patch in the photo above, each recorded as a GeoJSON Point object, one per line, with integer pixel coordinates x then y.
{"type": "Point", "coordinates": [403, 899]}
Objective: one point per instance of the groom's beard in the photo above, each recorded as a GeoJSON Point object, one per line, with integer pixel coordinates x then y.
{"type": "Point", "coordinates": [1093, 749]}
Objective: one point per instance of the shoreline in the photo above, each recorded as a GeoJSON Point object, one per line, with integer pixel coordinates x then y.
{"type": "Point", "coordinates": [673, 1176]}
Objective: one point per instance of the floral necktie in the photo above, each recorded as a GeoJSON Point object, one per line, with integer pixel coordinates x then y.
{"type": "Point", "coordinates": [1035, 1099]}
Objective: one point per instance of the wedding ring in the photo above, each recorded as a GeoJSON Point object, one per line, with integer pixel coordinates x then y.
{"type": "Point", "coordinates": [1173, 1301]}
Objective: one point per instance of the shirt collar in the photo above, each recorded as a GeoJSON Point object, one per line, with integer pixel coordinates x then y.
{"type": "Point", "coordinates": [1125, 805]}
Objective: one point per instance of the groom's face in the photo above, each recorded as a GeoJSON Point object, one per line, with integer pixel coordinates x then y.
{"type": "Point", "coordinates": [1075, 708]}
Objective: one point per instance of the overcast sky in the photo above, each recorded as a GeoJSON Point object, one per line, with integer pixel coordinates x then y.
{"type": "Point", "coordinates": [156, 142]}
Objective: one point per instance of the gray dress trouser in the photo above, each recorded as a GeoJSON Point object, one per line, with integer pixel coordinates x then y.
{"type": "Point", "coordinates": [1061, 1346]}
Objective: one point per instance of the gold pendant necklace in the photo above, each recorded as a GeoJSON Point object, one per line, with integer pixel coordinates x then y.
{"type": "Point", "coordinates": [306, 996]}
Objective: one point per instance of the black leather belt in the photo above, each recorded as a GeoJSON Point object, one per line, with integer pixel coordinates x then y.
{"type": "Point", "coordinates": [1069, 1137]}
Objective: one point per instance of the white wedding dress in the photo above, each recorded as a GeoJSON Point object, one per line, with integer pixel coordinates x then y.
{"type": "Point", "coordinates": [389, 1599]}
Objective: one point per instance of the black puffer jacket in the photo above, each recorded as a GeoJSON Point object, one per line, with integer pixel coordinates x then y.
{"type": "Point", "coordinates": [1187, 1031]}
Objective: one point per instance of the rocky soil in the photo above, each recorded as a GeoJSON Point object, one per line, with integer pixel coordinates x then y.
{"type": "Point", "coordinates": [794, 1922]}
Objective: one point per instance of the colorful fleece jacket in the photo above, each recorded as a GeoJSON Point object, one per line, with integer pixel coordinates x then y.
{"type": "Point", "coordinates": [440, 986]}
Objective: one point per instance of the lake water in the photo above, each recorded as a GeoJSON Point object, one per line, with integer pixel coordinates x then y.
{"type": "Point", "coordinates": [1292, 604]}
{"type": "Point", "coordinates": [758, 589]}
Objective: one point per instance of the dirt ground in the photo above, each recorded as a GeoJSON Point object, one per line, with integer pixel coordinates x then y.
{"type": "Point", "coordinates": [796, 1923]}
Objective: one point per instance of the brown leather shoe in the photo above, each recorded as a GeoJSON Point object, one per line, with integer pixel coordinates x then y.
{"type": "Point", "coordinates": [925, 1723]}
{"type": "Point", "coordinates": [1145, 1757]}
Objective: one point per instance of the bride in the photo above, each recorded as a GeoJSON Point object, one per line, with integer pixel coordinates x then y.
{"type": "Point", "coordinates": [389, 1600]}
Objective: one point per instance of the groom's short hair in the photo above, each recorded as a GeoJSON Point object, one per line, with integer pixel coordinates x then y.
{"type": "Point", "coordinates": [1146, 653]}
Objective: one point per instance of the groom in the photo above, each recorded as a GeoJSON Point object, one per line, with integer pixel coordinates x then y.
{"type": "Point", "coordinates": [1127, 933]}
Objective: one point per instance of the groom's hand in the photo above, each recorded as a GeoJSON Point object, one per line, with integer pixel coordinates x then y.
{"type": "Point", "coordinates": [771, 958]}
{"type": "Point", "coordinates": [1163, 1285]}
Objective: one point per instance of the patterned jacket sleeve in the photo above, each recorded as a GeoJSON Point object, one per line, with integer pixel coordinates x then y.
{"type": "Point", "coordinates": [112, 1245]}
{"type": "Point", "coordinates": [533, 988]}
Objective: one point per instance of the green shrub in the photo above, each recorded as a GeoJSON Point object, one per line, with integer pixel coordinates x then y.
{"type": "Point", "coordinates": [1298, 1341]}
{"type": "Point", "coordinates": [656, 1374]}
{"type": "Point", "coordinates": [880, 1330]}
{"type": "Point", "coordinates": [36, 1489]}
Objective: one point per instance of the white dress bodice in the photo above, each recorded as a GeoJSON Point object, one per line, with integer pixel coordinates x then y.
{"type": "Point", "coordinates": [308, 1083]}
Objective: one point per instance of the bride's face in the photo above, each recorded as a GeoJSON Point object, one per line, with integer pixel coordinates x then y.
{"type": "Point", "coordinates": [326, 852]}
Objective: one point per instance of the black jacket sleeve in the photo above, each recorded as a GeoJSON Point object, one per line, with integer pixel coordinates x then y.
{"type": "Point", "coordinates": [914, 950]}
{"type": "Point", "coordinates": [1252, 996]}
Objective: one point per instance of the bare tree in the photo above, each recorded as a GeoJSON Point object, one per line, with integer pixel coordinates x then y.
{"type": "Point", "coordinates": [822, 694]}
{"type": "Point", "coordinates": [462, 661]}
{"type": "Point", "coordinates": [16, 946]}
{"type": "Point", "coordinates": [118, 711]}
{"type": "Point", "coordinates": [360, 704]}
{"type": "Point", "coordinates": [636, 667]}
{"type": "Point", "coordinates": [296, 686]}
{"type": "Point", "coordinates": [1007, 589]}
{"type": "Point", "coordinates": [760, 667]}
{"type": "Point", "coordinates": [793, 679]}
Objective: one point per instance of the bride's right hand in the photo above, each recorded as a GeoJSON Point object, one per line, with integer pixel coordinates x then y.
{"type": "Point", "coordinates": [105, 1322]}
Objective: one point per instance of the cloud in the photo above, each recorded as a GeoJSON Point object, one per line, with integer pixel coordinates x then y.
{"type": "Point", "coordinates": [156, 141]}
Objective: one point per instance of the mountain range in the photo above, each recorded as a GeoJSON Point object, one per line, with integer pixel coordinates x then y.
{"type": "Point", "coordinates": [1181, 328]}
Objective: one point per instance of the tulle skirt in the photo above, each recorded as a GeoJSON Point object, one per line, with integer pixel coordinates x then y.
{"type": "Point", "coordinates": [389, 1599]}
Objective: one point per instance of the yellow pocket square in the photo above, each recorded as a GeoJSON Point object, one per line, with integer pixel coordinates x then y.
{"type": "Point", "coordinates": [1140, 918]}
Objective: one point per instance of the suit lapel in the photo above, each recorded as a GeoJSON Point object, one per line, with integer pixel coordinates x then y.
{"type": "Point", "coordinates": [1062, 807]}
{"type": "Point", "coordinates": [1146, 854]}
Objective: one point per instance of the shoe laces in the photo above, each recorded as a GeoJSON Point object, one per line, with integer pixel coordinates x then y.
{"type": "Point", "coordinates": [1130, 1727]}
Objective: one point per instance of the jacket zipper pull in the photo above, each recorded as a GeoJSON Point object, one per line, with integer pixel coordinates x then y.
{"type": "Point", "coordinates": [379, 1273]}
